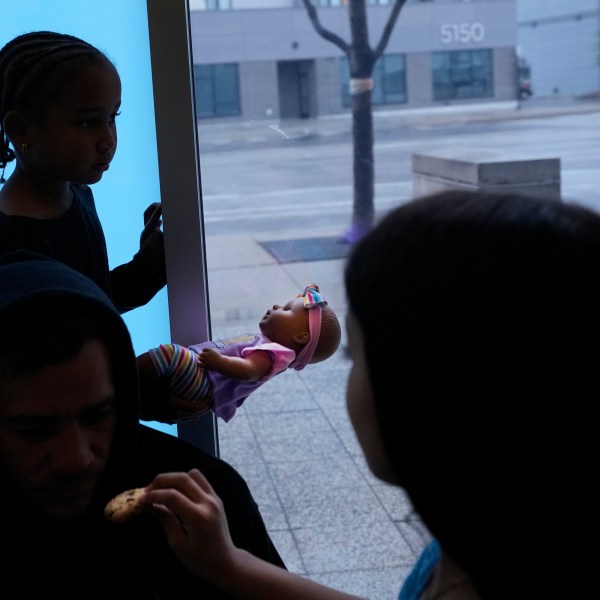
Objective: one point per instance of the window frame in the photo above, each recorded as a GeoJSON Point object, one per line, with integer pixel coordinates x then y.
{"type": "Point", "coordinates": [181, 193]}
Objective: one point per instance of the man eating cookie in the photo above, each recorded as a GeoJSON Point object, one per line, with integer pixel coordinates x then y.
{"type": "Point", "coordinates": [70, 440]}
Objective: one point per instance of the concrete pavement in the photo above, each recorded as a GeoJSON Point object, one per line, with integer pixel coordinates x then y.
{"type": "Point", "coordinates": [329, 517]}
{"type": "Point", "coordinates": [258, 131]}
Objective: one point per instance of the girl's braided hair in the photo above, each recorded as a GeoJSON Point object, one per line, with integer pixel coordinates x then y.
{"type": "Point", "coordinates": [33, 66]}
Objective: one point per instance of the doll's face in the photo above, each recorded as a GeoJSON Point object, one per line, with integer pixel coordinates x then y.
{"type": "Point", "coordinates": [361, 405]}
{"type": "Point", "coordinates": [288, 324]}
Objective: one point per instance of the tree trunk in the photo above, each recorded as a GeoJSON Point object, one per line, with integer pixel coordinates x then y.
{"type": "Point", "coordinates": [361, 67]}
{"type": "Point", "coordinates": [362, 59]}
{"type": "Point", "coordinates": [363, 167]}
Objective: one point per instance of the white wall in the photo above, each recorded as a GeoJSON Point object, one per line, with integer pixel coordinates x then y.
{"type": "Point", "coordinates": [560, 40]}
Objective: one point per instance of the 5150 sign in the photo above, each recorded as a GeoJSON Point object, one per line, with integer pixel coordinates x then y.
{"type": "Point", "coordinates": [462, 33]}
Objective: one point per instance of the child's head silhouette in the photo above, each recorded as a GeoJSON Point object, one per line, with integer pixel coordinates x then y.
{"type": "Point", "coordinates": [36, 70]}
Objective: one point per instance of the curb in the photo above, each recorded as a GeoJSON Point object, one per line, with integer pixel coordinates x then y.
{"type": "Point", "coordinates": [254, 132]}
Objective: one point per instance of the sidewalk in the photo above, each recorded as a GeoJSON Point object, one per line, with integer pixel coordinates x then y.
{"type": "Point", "coordinates": [292, 440]}
{"type": "Point", "coordinates": [258, 131]}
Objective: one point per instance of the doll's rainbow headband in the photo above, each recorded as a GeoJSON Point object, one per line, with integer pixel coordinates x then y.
{"type": "Point", "coordinates": [313, 301]}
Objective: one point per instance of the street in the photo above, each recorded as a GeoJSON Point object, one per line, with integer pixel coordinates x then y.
{"type": "Point", "coordinates": [286, 184]}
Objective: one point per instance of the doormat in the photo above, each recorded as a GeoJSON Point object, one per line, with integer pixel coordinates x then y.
{"type": "Point", "coordinates": [306, 249]}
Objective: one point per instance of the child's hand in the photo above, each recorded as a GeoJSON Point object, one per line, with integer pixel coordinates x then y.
{"type": "Point", "coordinates": [152, 245]}
{"type": "Point", "coordinates": [209, 358]}
{"type": "Point", "coordinates": [152, 216]}
{"type": "Point", "coordinates": [182, 410]}
{"type": "Point", "coordinates": [194, 521]}
{"type": "Point", "coordinates": [152, 234]}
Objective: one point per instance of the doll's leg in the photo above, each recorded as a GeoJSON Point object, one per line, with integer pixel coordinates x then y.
{"type": "Point", "coordinates": [188, 382]}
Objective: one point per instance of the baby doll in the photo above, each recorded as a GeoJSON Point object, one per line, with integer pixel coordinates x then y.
{"type": "Point", "coordinates": [180, 383]}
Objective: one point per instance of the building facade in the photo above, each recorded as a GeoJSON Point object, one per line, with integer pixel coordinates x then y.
{"type": "Point", "coordinates": [560, 41]}
{"type": "Point", "coordinates": [257, 59]}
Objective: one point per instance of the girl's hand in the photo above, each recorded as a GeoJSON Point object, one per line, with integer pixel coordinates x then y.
{"type": "Point", "coordinates": [182, 410]}
{"type": "Point", "coordinates": [194, 521]}
{"type": "Point", "coordinates": [152, 237]}
{"type": "Point", "coordinates": [195, 524]}
{"type": "Point", "coordinates": [152, 243]}
{"type": "Point", "coordinates": [152, 224]}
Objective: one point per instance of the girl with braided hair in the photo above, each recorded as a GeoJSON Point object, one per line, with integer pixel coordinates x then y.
{"type": "Point", "coordinates": [59, 100]}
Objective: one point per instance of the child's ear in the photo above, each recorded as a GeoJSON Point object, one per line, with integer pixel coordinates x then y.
{"type": "Point", "coordinates": [301, 337]}
{"type": "Point", "coordinates": [15, 126]}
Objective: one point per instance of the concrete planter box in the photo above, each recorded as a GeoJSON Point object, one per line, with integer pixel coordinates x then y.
{"type": "Point", "coordinates": [485, 171]}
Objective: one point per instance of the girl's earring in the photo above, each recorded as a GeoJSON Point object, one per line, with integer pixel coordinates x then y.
{"type": "Point", "coordinates": [24, 148]}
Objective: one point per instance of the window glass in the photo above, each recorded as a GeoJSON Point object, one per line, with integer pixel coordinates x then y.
{"type": "Point", "coordinates": [211, 4]}
{"type": "Point", "coordinates": [205, 91]}
{"type": "Point", "coordinates": [390, 78]}
{"type": "Point", "coordinates": [216, 90]}
{"type": "Point", "coordinates": [462, 74]}
{"type": "Point", "coordinates": [278, 196]}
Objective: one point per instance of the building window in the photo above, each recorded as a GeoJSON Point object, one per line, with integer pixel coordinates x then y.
{"type": "Point", "coordinates": [218, 4]}
{"type": "Point", "coordinates": [345, 2]}
{"type": "Point", "coordinates": [217, 90]}
{"type": "Point", "coordinates": [462, 74]}
{"type": "Point", "coordinates": [389, 80]}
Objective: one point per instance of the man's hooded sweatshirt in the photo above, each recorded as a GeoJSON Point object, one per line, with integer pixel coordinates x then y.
{"type": "Point", "coordinates": [97, 558]}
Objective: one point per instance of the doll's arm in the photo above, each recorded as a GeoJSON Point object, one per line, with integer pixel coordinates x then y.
{"type": "Point", "coordinates": [250, 368]}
